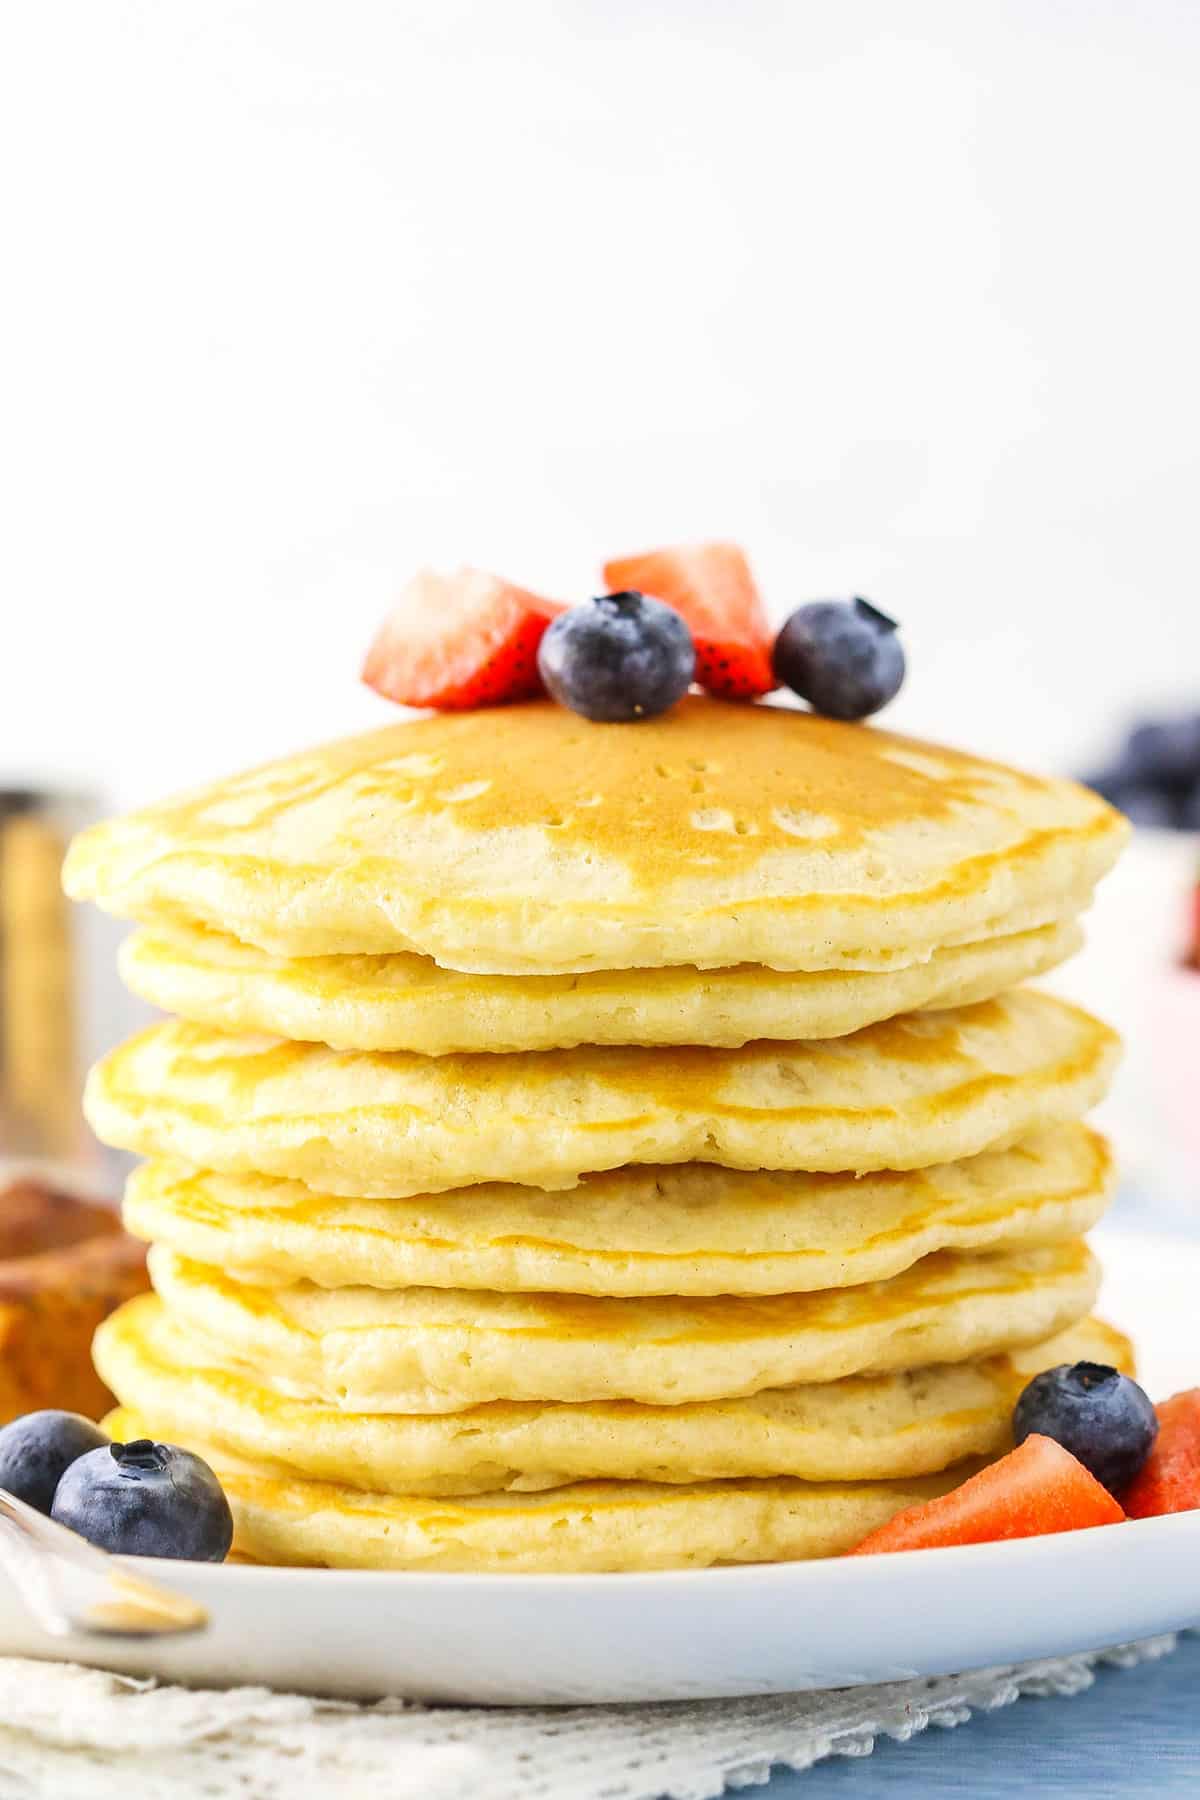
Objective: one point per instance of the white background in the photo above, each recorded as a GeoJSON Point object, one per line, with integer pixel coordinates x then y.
{"type": "Point", "coordinates": [296, 296]}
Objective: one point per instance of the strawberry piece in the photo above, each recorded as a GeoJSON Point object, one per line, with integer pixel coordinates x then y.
{"type": "Point", "coordinates": [1169, 1479]}
{"type": "Point", "coordinates": [711, 585]}
{"type": "Point", "coordinates": [1192, 955]}
{"type": "Point", "coordinates": [1036, 1489]}
{"type": "Point", "coordinates": [459, 641]}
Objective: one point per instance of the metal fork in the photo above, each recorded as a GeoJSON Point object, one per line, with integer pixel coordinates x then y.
{"type": "Point", "coordinates": [70, 1587]}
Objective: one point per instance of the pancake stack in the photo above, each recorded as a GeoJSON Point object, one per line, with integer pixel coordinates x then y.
{"type": "Point", "coordinates": [599, 1146]}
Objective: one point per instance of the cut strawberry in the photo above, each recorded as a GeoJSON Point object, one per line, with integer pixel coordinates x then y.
{"type": "Point", "coordinates": [1169, 1480]}
{"type": "Point", "coordinates": [711, 585]}
{"type": "Point", "coordinates": [1192, 954]}
{"type": "Point", "coordinates": [1036, 1489]}
{"type": "Point", "coordinates": [458, 641]}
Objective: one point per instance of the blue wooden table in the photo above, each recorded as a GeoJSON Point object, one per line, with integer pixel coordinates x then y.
{"type": "Point", "coordinates": [1137, 1731]}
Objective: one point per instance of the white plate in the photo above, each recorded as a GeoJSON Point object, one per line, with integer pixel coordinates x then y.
{"type": "Point", "coordinates": [527, 1639]}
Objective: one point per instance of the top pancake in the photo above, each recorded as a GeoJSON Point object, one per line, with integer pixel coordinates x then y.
{"type": "Point", "coordinates": [526, 840]}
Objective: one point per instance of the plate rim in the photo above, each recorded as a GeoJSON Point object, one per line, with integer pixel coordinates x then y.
{"type": "Point", "coordinates": [968, 1558]}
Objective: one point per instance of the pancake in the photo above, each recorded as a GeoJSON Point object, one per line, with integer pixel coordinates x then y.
{"type": "Point", "coordinates": [590, 1526]}
{"type": "Point", "coordinates": [406, 1002]}
{"type": "Point", "coordinates": [523, 839]}
{"type": "Point", "coordinates": [926, 1088]}
{"type": "Point", "coordinates": [442, 1349]}
{"type": "Point", "coordinates": [873, 1427]}
{"type": "Point", "coordinates": [688, 1230]}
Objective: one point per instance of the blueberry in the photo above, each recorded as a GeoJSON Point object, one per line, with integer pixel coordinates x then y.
{"type": "Point", "coordinates": [618, 658]}
{"type": "Point", "coordinates": [36, 1450]}
{"type": "Point", "coordinates": [1111, 782]}
{"type": "Point", "coordinates": [1143, 801]}
{"type": "Point", "coordinates": [842, 656]}
{"type": "Point", "coordinates": [146, 1499]}
{"type": "Point", "coordinates": [1099, 1415]}
{"type": "Point", "coordinates": [1166, 751]}
{"type": "Point", "coordinates": [1146, 805]}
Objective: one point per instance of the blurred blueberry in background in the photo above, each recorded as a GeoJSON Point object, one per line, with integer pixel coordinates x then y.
{"type": "Point", "coordinates": [1155, 778]}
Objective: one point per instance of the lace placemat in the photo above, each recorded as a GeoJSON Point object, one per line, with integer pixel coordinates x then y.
{"type": "Point", "coordinates": [70, 1733]}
